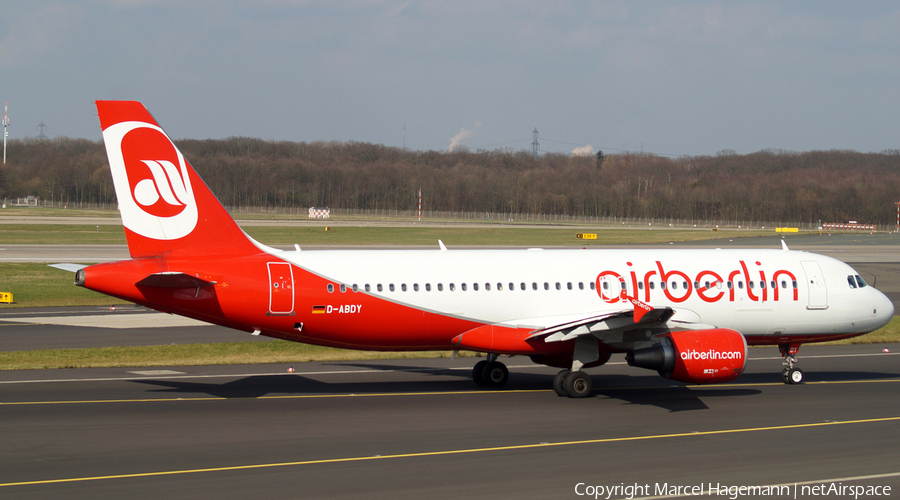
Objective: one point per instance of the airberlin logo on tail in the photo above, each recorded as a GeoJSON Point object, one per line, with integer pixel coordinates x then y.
{"type": "Point", "coordinates": [166, 186]}
{"type": "Point", "coordinates": [151, 180]}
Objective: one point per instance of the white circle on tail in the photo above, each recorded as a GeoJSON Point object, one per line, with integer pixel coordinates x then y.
{"type": "Point", "coordinates": [174, 185]}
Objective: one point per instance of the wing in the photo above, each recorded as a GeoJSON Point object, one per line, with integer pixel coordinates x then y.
{"type": "Point", "coordinates": [607, 327]}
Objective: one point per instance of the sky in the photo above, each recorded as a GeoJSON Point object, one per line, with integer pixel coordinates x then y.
{"type": "Point", "coordinates": [664, 77]}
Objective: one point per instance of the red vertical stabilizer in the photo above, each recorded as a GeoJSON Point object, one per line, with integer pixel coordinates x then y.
{"type": "Point", "coordinates": [167, 210]}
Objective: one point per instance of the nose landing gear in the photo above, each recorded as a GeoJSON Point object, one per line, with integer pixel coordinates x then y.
{"type": "Point", "coordinates": [790, 374]}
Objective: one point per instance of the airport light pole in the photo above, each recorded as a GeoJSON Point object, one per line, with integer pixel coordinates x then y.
{"type": "Point", "coordinates": [5, 133]}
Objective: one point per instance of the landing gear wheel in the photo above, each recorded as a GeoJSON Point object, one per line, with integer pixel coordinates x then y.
{"type": "Point", "coordinates": [578, 385]}
{"type": "Point", "coordinates": [477, 371]}
{"type": "Point", "coordinates": [494, 374]}
{"type": "Point", "coordinates": [559, 383]}
{"type": "Point", "coordinates": [790, 374]}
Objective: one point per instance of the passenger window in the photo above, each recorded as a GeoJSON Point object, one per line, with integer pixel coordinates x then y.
{"type": "Point", "coordinates": [580, 285]}
{"type": "Point", "coordinates": [378, 287]}
{"type": "Point", "coordinates": [569, 285]}
{"type": "Point", "coordinates": [355, 288]}
{"type": "Point", "coordinates": [427, 287]}
{"type": "Point", "coordinates": [741, 285]}
{"type": "Point", "coordinates": [674, 285]}
{"type": "Point", "coordinates": [860, 281]}
{"type": "Point", "coordinates": [522, 286]}
{"type": "Point", "coordinates": [475, 286]}
{"type": "Point", "coordinates": [750, 284]}
{"type": "Point", "coordinates": [487, 287]}
{"type": "Point", "coordinates": [730, 285]}
{"type": "Point", "coordinates": [592, 286]}
{"type": "Point", "coordinates": [343, 288]}
{"type": "Point", "coordinates": [368, 288]}
{"type": "Point", "coordinates": [462, 287]}
{"type": "Point", "coordinates": [773, 285]}
{"type": "Point", "coordinates": [533, 285]}
{"type": "Point", "coordinates": [452, 287]}
{"type": "Point", "coordinates": [403, 287]}
{"type": "Point", "coordinates": [391, 287]}
{"type": "Point", "coordinates": [662, 285]}
{"type": "Point", "coordinates": [762, 285]}
{"type": "Point", "coordinates": [558, 286]}
{"type": "Point", "coordinates": [697, 284]}
{"type": "Point", "coordinates": [783, 284]}
{"type": "Point", "coordinates": [684, 284]}
{"type": "Point", "coordinates": [652, 285]}
{"type": "Point", "coordinates": [605, 285]}
{"type": "Point", "coordinates": [794, 284]}
{"type": "Point", "coordinates": [415, 287]}
{"type": "Point", "coordinates": [330, 288]}
{"type": "Point", "coordinates": [440, 287]}
{"type": "Point", "coordinates": [499, 287]}
{"type": "Point", "coordinates": [546, 286]}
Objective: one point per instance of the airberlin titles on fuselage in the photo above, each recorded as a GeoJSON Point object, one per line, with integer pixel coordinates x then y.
{"type": "Point", "coordinates": [708, 285]}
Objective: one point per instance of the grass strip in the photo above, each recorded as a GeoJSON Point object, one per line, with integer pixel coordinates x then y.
{"type": "Point", "coordinates": [232, 353]}
{"type": "Point", "coordinates": [38, 285]}
{"type": "Point", "coordinates": [62, 234]}
{"type": "Point", "coordinates": [363, 234]}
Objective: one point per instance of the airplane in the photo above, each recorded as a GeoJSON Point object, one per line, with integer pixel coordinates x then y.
{"type": "Point", "coordinates": [688, 314]}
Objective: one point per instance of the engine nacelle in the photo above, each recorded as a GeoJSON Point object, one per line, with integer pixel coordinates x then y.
{"type": "Point", "coordinates": [697, 356]}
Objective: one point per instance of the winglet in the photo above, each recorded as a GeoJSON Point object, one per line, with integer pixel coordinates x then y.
{"type": "Point", "coordinates": [443, 248]}
{"type": "Point", "coordinates": [640, 309]}
{"type": "Point", "coordinates": [784, 245]}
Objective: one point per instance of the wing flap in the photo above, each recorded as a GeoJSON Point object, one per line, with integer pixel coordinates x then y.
{"type": "Point", "coordinates": [604, 323]}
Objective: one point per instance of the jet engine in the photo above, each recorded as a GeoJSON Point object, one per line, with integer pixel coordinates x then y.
{"type": "Point", "coordinates": [695, 356]}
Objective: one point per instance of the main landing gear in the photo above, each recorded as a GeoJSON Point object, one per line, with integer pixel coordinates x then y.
{"type": "Point", "coordinates": [790, 374]}
{"type": "Point", "coordinates": [574, 384]}
{"type": "Point", "coordinates": [490, 372]}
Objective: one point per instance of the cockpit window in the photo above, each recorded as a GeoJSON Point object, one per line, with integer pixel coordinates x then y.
{"type": "Point", "coordinates": [851, 281]}
{"type": "Point", "coordinates": [860, 281]}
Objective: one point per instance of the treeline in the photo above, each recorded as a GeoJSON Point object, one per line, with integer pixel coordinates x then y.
{"type": "Point", "coordinates": [830, 186]}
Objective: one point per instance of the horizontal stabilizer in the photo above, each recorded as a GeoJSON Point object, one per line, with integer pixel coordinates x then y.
{"type": "Point", "coordinates": [72, 268]}
{"type": "Point", "coordinates": [174, 280]}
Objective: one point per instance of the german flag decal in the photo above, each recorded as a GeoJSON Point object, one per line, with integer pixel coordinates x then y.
{"type": "Point", "coordinates": [318, 310]}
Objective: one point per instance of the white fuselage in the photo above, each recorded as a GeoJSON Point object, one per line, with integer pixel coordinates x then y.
{"type": "Point", "coordinates": [756, 292]}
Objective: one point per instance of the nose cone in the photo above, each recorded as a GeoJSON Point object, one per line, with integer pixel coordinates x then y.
{"type": "Point", "coordinates": [882, 309]}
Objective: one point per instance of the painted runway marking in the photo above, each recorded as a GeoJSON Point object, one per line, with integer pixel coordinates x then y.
{"type": "Point", "coordinates": [154, 373]}
{"type": "Point", "coordinates": [463, 451]}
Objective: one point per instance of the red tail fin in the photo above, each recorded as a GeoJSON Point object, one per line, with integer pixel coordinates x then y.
{"type": "Point", "coordinates": [166, 208]}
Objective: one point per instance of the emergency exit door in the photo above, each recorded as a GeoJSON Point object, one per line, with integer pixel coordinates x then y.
{"type": "Point", "coordinates": [281, 288]}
